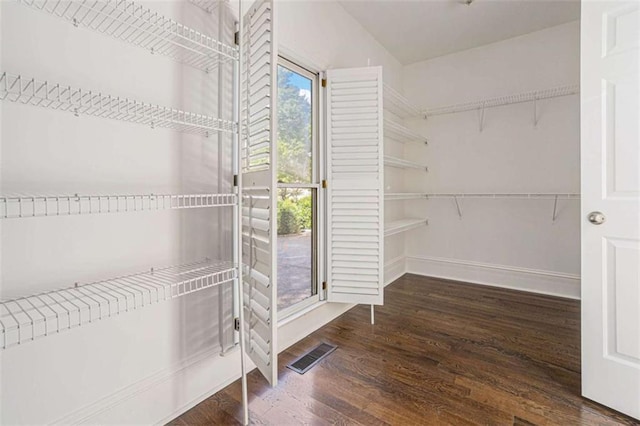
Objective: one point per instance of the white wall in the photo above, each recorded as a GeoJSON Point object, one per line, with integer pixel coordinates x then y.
{"type": "Point", "coordinates": [52, 152]}
{"type": "Point", "coordinates": [326, 35]}
{"type": "Point", "coordinates": [500, 242]}
{"type": "Point", "coordinates": [150, 365]}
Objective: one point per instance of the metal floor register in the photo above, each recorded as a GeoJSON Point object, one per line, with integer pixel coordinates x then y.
{"type": "Point", "coordinates": [311, 358]}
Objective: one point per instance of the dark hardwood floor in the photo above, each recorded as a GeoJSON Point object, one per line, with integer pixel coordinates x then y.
{"type": "Point", "coordinates": [441, 352]}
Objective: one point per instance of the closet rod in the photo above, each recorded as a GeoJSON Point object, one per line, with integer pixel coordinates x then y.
{"type": "Point", "coordinates": [481, 104]}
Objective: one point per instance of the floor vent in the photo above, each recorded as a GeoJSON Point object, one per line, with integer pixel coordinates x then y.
{"type": "Point", "coordinates": [311, 358]}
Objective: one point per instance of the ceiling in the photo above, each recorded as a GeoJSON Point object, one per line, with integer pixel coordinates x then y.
{"type": "Point", "coordinates": [415, 30]}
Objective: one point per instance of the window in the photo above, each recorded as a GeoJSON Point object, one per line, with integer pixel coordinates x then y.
{"type": "Point", "coordinates": [298, 184]}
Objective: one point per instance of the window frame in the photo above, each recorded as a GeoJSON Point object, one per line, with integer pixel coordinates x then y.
{"type": "Point", "coordinates": [317, 174]}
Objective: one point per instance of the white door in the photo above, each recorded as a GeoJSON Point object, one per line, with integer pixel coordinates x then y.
{"type": "Point", "coordinates": [610, 152]}
{"type": "Point", "coordinates": [355, 164]}
{"type": "Point", "coordinates": [258, 186]}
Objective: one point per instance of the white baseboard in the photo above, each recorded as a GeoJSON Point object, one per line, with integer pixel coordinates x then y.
{"type": "Point", "coordinates": [394, 269]}
{"type": "Point", "coordinates": [531, 280]}
{"type": "Point", "coordinates": [164, 396]}
{"type": "Point", "coordinates": [167, 394]}
{"type": "Point", "coordinates": [297, 330]}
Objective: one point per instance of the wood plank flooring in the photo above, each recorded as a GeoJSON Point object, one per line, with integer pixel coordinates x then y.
{"type": "Point", "coordinates": [441, 352]}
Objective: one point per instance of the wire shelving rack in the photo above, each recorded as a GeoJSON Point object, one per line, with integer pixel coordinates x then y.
{"type": "Point", "coordinates": [393, 196]}
{"type": "Point", "coordinates": [207, 5]}
{"type": "Point", "coordinates": [28, 318]}
{"type": "Point", "coordinates": [400, 133]}
{"type": "Point", "coordinates": [135, 24]}
{"type": "Point", "coordinates": [397, 104]}
{"type": "Point", "coordinates": [401, 163]}
{"type": "Point", "coordinates": [403, 225]}
{"type": "Point", "coordinates": [30, 91]}
{"type": "Point", "coordinates": [481, 104]}
{"type": "Point", "coordinates": [24, 206]}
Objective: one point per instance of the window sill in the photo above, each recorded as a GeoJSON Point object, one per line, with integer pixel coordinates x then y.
{"type": "Point", "coordinates": [300, 313]}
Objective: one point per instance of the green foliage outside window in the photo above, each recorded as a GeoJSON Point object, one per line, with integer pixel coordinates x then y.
{"type": "Point", "coordinates": [294, 214]}
{"type": "Point", "coordinates": [294, 155]}
{"type": "Point", "coordinates": [294, 131]}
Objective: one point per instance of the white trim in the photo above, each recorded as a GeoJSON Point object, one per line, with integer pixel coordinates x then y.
{"type": "Point", "coordinates": [294, 311]}
{"type": "Point", "coordinates": [394, 269]}
{"type": "Point", "coordinates": [292, 63]}
{"type": "Point", "coordinates": [304, 61]}
{"type": "Point", "coordinates": [524, 279]}
{"type": "Point", "coordinates": [92, 412]}
{"type": "Point", "coordinates": [299, 185]}
{"type": "Point", "coordinates": [321, 314]}
{"type": "Point", "coordinates": [162, 397]}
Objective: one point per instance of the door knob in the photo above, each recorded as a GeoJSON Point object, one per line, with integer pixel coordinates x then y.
{"type": "Point", "coordinates": [597, 218]}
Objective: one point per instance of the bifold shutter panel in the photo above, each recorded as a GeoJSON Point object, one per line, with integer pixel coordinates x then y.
{"type": "Point", "coordinates": [355, 162]}
{"type": "Point", "coordinates": [259, 214]}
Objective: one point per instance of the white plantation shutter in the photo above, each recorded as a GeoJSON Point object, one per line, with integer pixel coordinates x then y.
{"type": "Point", "coordinates": [259, 214]}
{"type": "Point", "coordinates": [355, 162]}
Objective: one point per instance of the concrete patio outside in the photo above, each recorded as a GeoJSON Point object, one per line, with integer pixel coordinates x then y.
{"type": "Point", "coordinates": [294, 268]}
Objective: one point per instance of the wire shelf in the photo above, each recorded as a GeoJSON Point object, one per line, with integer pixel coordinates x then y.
{"type": "Point", "coordinates": [398, 132]}
{"type": "Point", "coordinates": [395, 196]}
{"type": "Point", "coordinates": [402, 163]}
{"type": "Point", "coordinates": [24, 206]}
{"type": "Point", "coordinates": [505, 100]}
{"type": "Point", "coordinates": [403, 225]}
{"type": "Point", "coordinates": [531, 196]}
{"type": "Point", "coordinates": [207, 5]}
{"type": "Point", "coordinates": [135, 24]}
{"type": "Point", "coordinates": [28, 318]}
{"type": "Point", "coordinates": [397, 104]}
{"type": "Point", "coordinates": [34, 92]}
{"type": "Point", "coordinates": [539, 196]}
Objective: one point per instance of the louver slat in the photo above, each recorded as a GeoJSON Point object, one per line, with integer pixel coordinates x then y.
{"type": "Point", "coordinates": [258, 186]}
{"type": "Point", "coordinates": [355, 162]}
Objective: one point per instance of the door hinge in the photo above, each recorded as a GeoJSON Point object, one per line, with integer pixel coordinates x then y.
{"type": "Point", "coordinates": [325, 184]}
{"type": "Point", "coordinates": [324, 82]}
{"type": "Point", "coordinates": [236, 324]}
{"type": "Point", "coordinates": [235, 180]}
{"type": "Point", "coordinates": [324, 285]}
{"type": "Point", "coordinates": [236, 38]}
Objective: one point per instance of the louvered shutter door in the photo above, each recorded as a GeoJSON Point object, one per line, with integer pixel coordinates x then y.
{"type": "Point", "coordinates": [259, 214]}
{"type": "Point", "coordinates": [355, 162]}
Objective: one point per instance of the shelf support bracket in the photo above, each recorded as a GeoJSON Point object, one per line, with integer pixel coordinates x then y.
{"type": "Point", "coordinates": [555, 209]}
{"type": "Point", "coordinates": [482, 117]}
{"type": "Point", "coordinates": [535, 111]}
{"type": "Point", "coordinates": [458, 207]}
